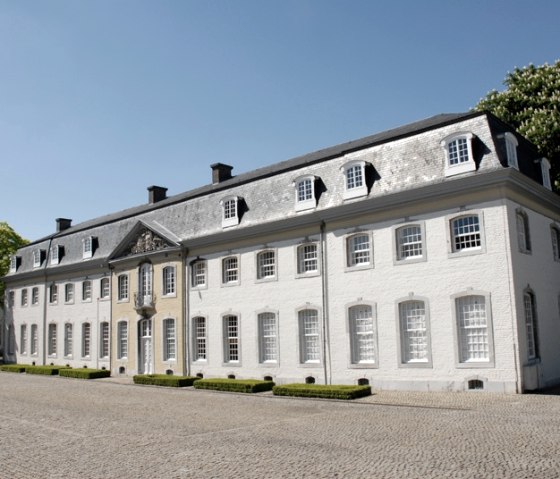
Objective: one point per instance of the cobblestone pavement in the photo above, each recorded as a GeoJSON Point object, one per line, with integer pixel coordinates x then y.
{"type": "Point", "coordinates": [54, 427]}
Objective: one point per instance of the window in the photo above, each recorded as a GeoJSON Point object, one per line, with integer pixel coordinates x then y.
{"type": "Point", "coordinates": [230, 211]}
{"type": "Point", "coordinates": [409, 243]}
{"type": "Point", "coordinates": [458, 151]}
{"type": "Point", "coordinates": [230, 270]}
{"type": "Point", "coordinates": [11, 340]}
{"type": "Point", "coordinates": [199, 338]}
{"type": "Point", "coordinates": [122, 281]}
{"type": "Point", "coordinates": [122, 346]}
{"type": "Point", "coordinates": [473, 329]}
{"type": "Point", "coordinates": [51, 344]}
{"type": "Point", "coordinates": [354, 179]}
{"type": "Point", "coordinates": [358, 250]}
{"type": "Point", "coordinates": [169, 280]}
{"type": "Point", "coordinates": [11, 299]}
{"type": "Point", "coordinates": [362, 331]}
{"type": "Point", "coordinates": [104, 347]}
{"type": "Point", "coordinates": [67, 339]}
{"type": "Point", "coordinates": [531, 325]}
{"type": "Point", "coordinates": [145, 280]}
{"type": "Point", "coordinates": [53, 293]}
{"type": "Point", "coordinates": [465, 232]}
{"type": "Point", "coordinates": [37, 258]}
{"type": "Point", "coordinates": [169, 350]}
{"type": "Point", "coordinates": [307, 259]}
{"type": "Point", "coordinates": [86, 340]}
{"type": "Point", "coordinates": [198, 272]}
{"type": "Point", "coordinates": [69, 293]}
{"type": "Point", "coordinates": [35, 296]}
{"type": "Point", "coordinates": [105, 288]}
{"type": "Point", "coordinates": [555, 235]}
{"type": "Point", "coordinates": [268, 346]}
{"type": "Point", "coordinates": [231, 339]}
{"type": "Point", "coordinates": [23, 339]}
{"type": "Point", "coordinates": [55, 256]}
{"type": "Point", "coordinates": [86, 290]}
{"type": "Point", "coordinates": [511, 149]}
{"type": "Point", "coordinates": [266, 265]}
{"type": "Point", "coordinates": [13, 263]}
{"type": "Point", "coordinates": [545, 170]}
{"type": "Point", "coordinates": [34, 340]}
{"type": "Point", "coordinates": [310, 347]}
{"type": "Point", "coordinates": [24, 297]}
{"type": "Point", "coordinates": [305, 193]}
{"type": "Point", "coordinates": [523, 238]}
{"type": "Point", "coordinates": [87, 251]}
{"type": "Point", "coordinates": [415, 343]}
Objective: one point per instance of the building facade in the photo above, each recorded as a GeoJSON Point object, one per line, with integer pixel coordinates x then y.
{"type": "Point", "coordinates": [425, 257]}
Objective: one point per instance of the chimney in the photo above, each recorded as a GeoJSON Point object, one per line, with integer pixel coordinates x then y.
{"type": "Point", "coordinates": [220, 172]}
{"type": "Point", "coordinates": [62, 224]}
{"type": "Point", "coordinates": [156, 193]}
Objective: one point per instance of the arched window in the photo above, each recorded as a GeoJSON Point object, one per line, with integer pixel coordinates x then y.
{"type": "Point", "coordinates": [230, 270]}
{"type": "Point", "coordinates": [466, 233]}
{"type": "Point", "coordinates": [409, 242]}
{"type": "Point", "coordinates": [310, 344]}
{"type": "Point", "coordinates": [523, 237]}
{"type": "Point", "coordinates": [268, 345]}
{"type": "Point", "coordinates": [531, 325]}
{"type": "Point", "coordinates": [68, 339]}
{"type": "Point", "coordinates": [473, 328]}
{"type": "Point", "coordinates": [362, 334]}
{"type": "Point", "coordinates": [169, 280]}
{"type": "Point", "coordinates": [458, 153]}
{"type": "Point", "coordinates": [145, 280]}
{"type": "Point", "coordinates": [231, 338]}
{"type": "Point", "coordinates": [307, 258]}
{"type": "Point", "coordinates": [358, 250]}
{"type": "Point", "coordinates": [413, 322]}
{"type": "Point", "coordinates": [86, 340]}
{"type": "Point", "coordinates": [266, 264]}
{"type": "Point", "coordinates": [169, 340]}
{"type": "Point", "coordinates": [199, 338]}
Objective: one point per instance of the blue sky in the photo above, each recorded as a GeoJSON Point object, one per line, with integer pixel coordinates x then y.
{"type": "Point", "coordinates": [101, 99]}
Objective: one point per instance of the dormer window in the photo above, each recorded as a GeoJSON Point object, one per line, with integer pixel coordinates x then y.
{"type": "Point", "coordinates": [13, 263]}
{"type": "Point", "coordinates": [230, 211]}
{"type": "Point", "coordinates": [55, 254]}
{"type": "Point", "coordinates": [511, 149]}
{"type": "Point", "coordinates": [305, 193]}
{"type": "Point", "coordinates": [37, 258]}
{"type": "Point", "coordinates": [458, 152]}
{"type": "Point", "coordinates": [354, 179]}
{"type": "Point", "coordinates": [87, 251]}
{"type": "Point", "coordinates": [545, 170]}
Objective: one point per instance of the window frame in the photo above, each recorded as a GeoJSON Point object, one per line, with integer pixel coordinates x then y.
{"type": "Point", "coordinates": [105, 288]}
{"type": "Point", "coordinates": [53, 293]}
{"type": "Point", "coordinates": [260, 265]}
{"type": "Point", "coordinates": [304, 350]}
{"type": "Point", "coordinates": [35, 300]}
{"type": "Point", "coordinates": [360, 190]}
{"type": "Point", "coordinates": [123, 288]}
{"type": "Point", "coordinates": [398, 257]}
{"type": "Point", "coordinates": [52, 340]}
{"type": "Point", "coordinates": [196, 274]}
{"type": "Point", "coordinates": [87, 291]}
{"type": "Point", "coordinates": [302, 260]}
{"type": "Point", "coordinates": [530, 323]}
{"type": "Point", "coordinates": [403, 344]}
{"type": "Point", "coordinates": [55, 254]}
{"type": "Point", "coordinates": [105, 340]}
{"type": "Point", "coordinates": [511, 144]}
{"type": "Point", "coordinates": [555, 239]}
{"type": "Point", "coordinates": [227, 340]}
{"type": "Point", "coordinates": [545, 172]}
{"type": "Point", "coordinates": [199, 341]}
{"type": "Point", "coordinates": [523, 231]}
{"type": "Point", "coordinates": [262, 338]}
{"type": "Point", "coordinates": [13, 263]}
{"type": "Point", "coordinates": [34, 340]}
{"type": "Point", "coordinates": [69, 293]}
{"type": "Point", "coordinates": [86, 340]}
{"type": "Point", "coordinates": [461, 363]}
{"type": "Point", "coordinates": [230, 215]}
{"type": "Point", "coordinates": [24, 298]}
{"type": "Point", "coordinates": [461, 166]}
{"type": "Point", "coordinates": [309, 201]}
{"type": "Point", "coordinates": [37, 258]}
{"type": "Point", "coordinates": [354, 336]}
{"type": "Point", "coordinates": [450, 221]}
{"type": "Point", "coordinates": [350, 254]}
{"type": "Point", "coordinates": [68, 340]}
{"type": "Point", "coordinates": [169, 337]}
{"type": "Point", "coordinates": [23, 339]}
{"type": "Point", "coordinates": [169, 281]}
{"type": "Point", "coordinates": [122, 339]}
{"type": "Point", "coordinates": [87, 247]}
{"type": "Point", "coordinates": [229, 270]}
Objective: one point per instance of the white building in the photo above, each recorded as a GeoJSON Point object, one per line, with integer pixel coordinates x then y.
{"type": "Point", "coordinates": [425, 257]}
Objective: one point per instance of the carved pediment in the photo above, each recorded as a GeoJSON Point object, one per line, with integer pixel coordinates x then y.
{"type": "Point", "coordinates": [145, 241]}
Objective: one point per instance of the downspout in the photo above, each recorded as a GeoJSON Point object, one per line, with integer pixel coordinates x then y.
{"type": "Point", "coordinates": [185, 291]}
{"type": "Point", "coordinates": [325, 300]}
{"type": "Point", "coordinates": [111, 356]}
{"type": "Point", "coordinates": [45, 332]}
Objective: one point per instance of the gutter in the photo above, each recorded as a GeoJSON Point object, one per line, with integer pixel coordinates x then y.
{"type": "Point", "coordinates": [325, 303]}
{"type": "Point", "coordinates": [45, 302]}
{"type": "Point", "coordinates": [186, 329]}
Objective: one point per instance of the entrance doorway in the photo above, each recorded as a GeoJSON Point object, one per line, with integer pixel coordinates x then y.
{"type": "Point", "coordinates": [145, 363]}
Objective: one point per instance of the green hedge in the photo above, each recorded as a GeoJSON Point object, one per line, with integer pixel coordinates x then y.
{"type": "Point", "coordinates": [322, 391]}
{"type": "Point", "coordinates": [165, 380]}
{"type": "Point", "coordinates": [85, 373]}
{"type": "Point", "coordinates": [13, 368]}
{"type": "Point", "coordinates": [235, 385]}
{"type": "Point", "coordinates": [46, 370]}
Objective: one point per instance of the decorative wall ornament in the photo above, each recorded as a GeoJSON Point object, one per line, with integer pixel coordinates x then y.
{"type": "Point", "coordinates": [146, 241]}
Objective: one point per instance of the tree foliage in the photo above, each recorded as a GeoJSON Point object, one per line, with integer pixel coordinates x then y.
{"type": "Point", "coordinates": [531, 104]}
{"type": "Point", "coordinates": [10, 242]}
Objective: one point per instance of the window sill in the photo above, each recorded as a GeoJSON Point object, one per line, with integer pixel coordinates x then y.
{"type": "Point", "coordinates": [349, 269]}
{"type": "Point", "coordinates": [232, 364]}
{"type": "Point", "coordinates": [355, 193]}
{"type": "Point", "coordinates": [266, 280]}
{"type": "Point", "coordinates": [466, 252]}
{"type": "Point", "coordinates": [313, 274]}
{"type": "Point", "coordinates": [475, 365]}
{"type": "Point", "coordinates": [410, 260]}
{"type": "Point", "coordinates": [271, 364]}
{"type": "Point", "coordinates": [415, 365]}
{"type": "Point", "coordinates": [363, 366]}
{"type": "Point", "coordinates": [230, 284]}
{"type": "Point", "coordinates": [168, 296]}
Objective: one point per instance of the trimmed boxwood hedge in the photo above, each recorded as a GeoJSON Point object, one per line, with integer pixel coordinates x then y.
{"type": "Point", "coordinates": [46, 370]}
{"type": "Point", "coordinates": [165, 380]}
{"type": "Point", "coordinates": [84, 373]}
{"type": "Point", "coordinates": [13, 368]}
{"type": "Point", "coordinates": [322, 391]}
{"type": "Point", "coordinates": [234, 385]}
